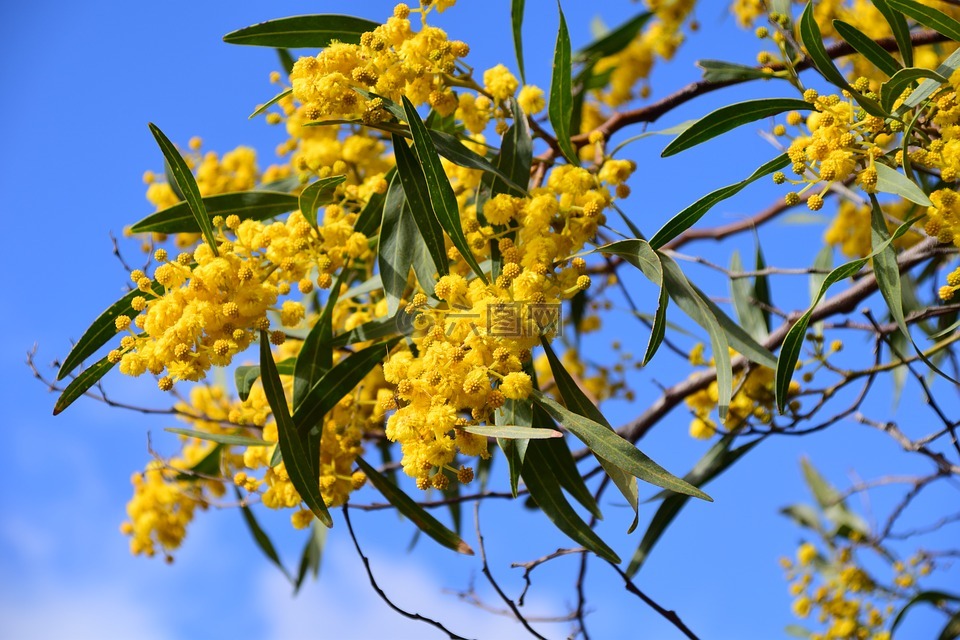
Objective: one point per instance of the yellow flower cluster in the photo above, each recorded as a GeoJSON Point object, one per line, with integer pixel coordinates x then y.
{"type": "Point", "coordinates": [850, 228]}
{"type": "Point", "coordinates": [844, 599]}
{"type": "Point", "coordinates": [754, 400]}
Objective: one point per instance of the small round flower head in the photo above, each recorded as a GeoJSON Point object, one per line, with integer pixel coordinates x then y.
{"type": "Point", "coordinates": [583, 282]}
{"type": "Point", "coordinates": [815, 202]}
{"type": "Point", "coordinates": [122, 322]}
{"type": "Point", "coordinates": [465, 475]}
{"type": "Point", "coordinates": [277, 337]}
{"type": "Point", "coordinates": [305, 286]}
{"type": "Point", "coordinates": [440, 481]}
{"type": "Point", "coordinates": [358, 479]}
{"type": "Point", "coordinates": [136, 275]}
{"type": "Point", "coordinates": [160, 255]}
{"type": "Point", "coordinates": [792, 198]}
{"type": "Point", "coordinates": [139, 303]}
{"type": "Point", "coordinates": [324, 281]}
{"type": "Point", "coordinates": [165, 383]}
{"type": "Point", "coordinates": [779, 177]}
{"type": "Point", "coordinates": [114, 356]}
{"type": "Point", "coordinates": [516, 385]}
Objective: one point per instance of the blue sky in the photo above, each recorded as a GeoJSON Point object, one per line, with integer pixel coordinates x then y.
{"type": "Point", "coordinates": [83, 79]}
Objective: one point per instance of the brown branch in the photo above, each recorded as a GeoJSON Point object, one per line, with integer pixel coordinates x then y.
{"type": "Point", "coordinates": [667, 614]}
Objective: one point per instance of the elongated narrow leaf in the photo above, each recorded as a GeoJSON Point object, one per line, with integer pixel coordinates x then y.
{"type": "Point", "coordinates": [318, 194]}
{"type": "Point", "coordinates": [610, 446]}
{"type": "Point", "coordinates": [556, 455]}
{"type": "Point", "coordinates": [694, 304]}
{"type": "Point", "coordinates": [894, 87]}
{"type": "Point", "coordinates": [308, 32]}
{"type": "Point", "coordinates": [616, 40]}
{"type": "Point", "coordinates": [812, 41]}
{"type": "Point", "coordinates": [415, 188]}
{"type": "Point", "coordinates": [272, 101]}
{"type": "Point", "coordinates": [516, 155]}
{"type": "Point", "coordinates": [303, 474]}
{"type": "Point", "coordinates": [208, 466]}
{"type": "Point", "coordinates": [928, 17]}
{"type": "Point", "coordinates": [247, 205]}
{"type": "Point", "coordinates": [745, 302]}
{"type": "Point", "coordinates": [516, 22]}
{"type": "Point", "coordinates": [221, 438]}
{"type": "Point", "coordinates": [869, 49]}
{"type": "Point", "coordinates": [900, 29]}
{"type": "Point", "coordinates": [286, 60]}
{"type": "Point", "coordinates": [717, 460]}
{"type": "Point", "coordinates": [560, 105]}
{"type": "Point", "coordinates": [793, 341]}
{"type": "Point", "coordinates": [316, 353]}
{"type": "Point", "coordinates": [406, 506]}
{"type": "Point", "coordinates": [101, 331]}
{"type": "Point", "coordinates": [244, 376]}
{"type": "Point", "coordinates": [729, 118]}
{"type": "Point", "coordinates": [546, 492]}
{"type": "Point", "coordinates": [372, 213]}
{"type": "Point", "coordinates": [689, 216]}
{"type": "Point", "coordinates": [311, 556]}
{"type": "Point", "coordinates": [892, 181]}
{"type": "Point", "coordinates": [513, 432]}
{"type": "Point", "coordinates": [720, 71]}
{"type": "Point", "coordinates": [442, 197]}
{"type": "Point", "coordinates": [79, 385]}
{"type": "Point", "coordinates": [260, 536]}
{"type": "Point", "coordinates": [930, 597]}
{"type": "Point", "coordinates": [761, 286]}
{"type": "Point", "coordinates": [514, 412]}
{"type": "Point", "coordinates": [338, 382]}
{"type": "Point", "coordinates": [398, 238]}
{"type": "Point", "coordinates": [187, 185]}
{"type": "Point", "coordinates": [576, 400]}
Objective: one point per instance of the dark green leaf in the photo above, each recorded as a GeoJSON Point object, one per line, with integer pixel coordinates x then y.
{"type": "Point", "coordinates": [101, 331]}
{"type": "Point", "coordinates": [338, 382]}
{"type": "Point", "coordinates": [286, 61]}
{"type": "Point", "coordinates": [261, 537]}
{"type": "Point", "coordinates": [894, 87]}
{"type": "Point", "coordinates": [900, 29]}
{"type": "Point", "coordinates": [928, 17]}
{"type": "Point", "coordinates": [245, 375]}
{"type": "Point", "coordinates": [731, 117]}
{"type": "Point", "coordinates": [303, 474]}
{"type": "Point", "coordinates": [761, 287]}
{"type": "Point", "coordinates": [812, 41]}
{"type": "Point", "coordinates": [372, 212]}
{"type": "Point", "coordinates": [319, 193]}
{"type": "Point", "coordinates": [272, 101]}
{"type": "Point", "coordinates": [516, 155]}
{"type": "Point", "coordinates": [187, 185]}
{"type": "Point", "coordinates": [543, 488]}
{"type": "Point", "coordinates": [308, 32]}
{"type": "Point", "coordinates": [689, 216]}
{"type": "Point", "coordinates": [720, 71]}
{"type": "Point", "coordinates": [79, 385]}
{"type": "Point", "coordinates": [406, 506]}
{"type": "Point", "coordinates": [609, 445]}
{"type": "Point", "coordinates": [516, 22]}
{"type": "Point", "coordinates": [398, 238]}
{"type": "Point", "coordinates": [951, 631]}
{"type": "Point", "coordinates": [315, 357]}
{"type": "Point", "coordinates": [930, 597]}
{"type": "Point", "coordinates": [869, 49]}
{"type": "Point", "coordinates": [247, 205]}
{"type": "Point", "coordinates": [616, 40]}
{"type": "Point", "coordinates": [312, 555]}
{"type": "Point", "coordinates": [555, 454]}
{"type": "Point", "coordinates": [804, 515]}
{"type": "Point", "coordinates": [442, 198]}
{"type": "Point", "coordinates": [372, 330]}
{"type": "Point", "coordinates": [717, 460]}
{"type": "Point", "coordinates": [221, 438]}
{"type": "Point", "coordinates": [560, 106]}
{"type": "Point", "coordinates": [414, 184]}
{"type": "Point", "coordinates": [209, 466]}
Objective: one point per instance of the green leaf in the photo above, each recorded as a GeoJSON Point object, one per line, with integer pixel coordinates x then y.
{"type": "Point", "coordinates": [516, 22]}
{"type": "Point", "coordinates": [609, 445]}
{"type": "Point", "coordinates": [929, 597]}
{"type": "Point", "coordinates": [796, 631]}
{"type": "Point", "coordinates": [317, 194]}
{"type": "Point", "coordinates": [260, 536]}
{"type": "Point", "coordinates": [513, 432]}
{"type": "Point", "coordinates": [538, 477]}
{"type": "Point", "coordinates": [286, 60]}
{"type": "Point", "coordinates": [614, 41]}
{"type": "Point", "coordinates": [804, 515]}
{"type": "Point", "coordinates": [414, 184]}
{"type": "Point", "coordinates": [209, 465]}
{"type": "Point", "coordinates": [372, 212]}
{"type": "Point", "coordinates": [307, 32]}
{"type": "Point", "coordinates": [894, 87]}
{"type": "Point", "coordinates": [576, 400]}
{"type": "Point", "coordinates": [900, 29]}
{"type": "Point", "coordinates": [101, 331]}
{"type": "Point", "coordinates": [187, 185]}
{"type": "Point", "coordinates": [560, 105]}
{"type": "Point", "coordinates": [951, 631]}
{"type": "Point", "coordinates": [555, 455]}
{"type": "Point", "coordinates": [406, 506]}
{"type": "Point", "coordinates": [812, 41]}
{"type": "Point", "coordinates": [866, 46]}
{"type": "Point", "coordinates": [720, 71]}
{"type": "Point", "coordinates": [398, 239]}
{"type": "Point", "coordinates": [245, 375]}
{"type": "Point", "coordinates": [442, 197]}
{"type": "Point", "coordinates": [516, 155]}
{"type": "Point", "coordinates": [373, 330]}
{"type": "Point", "coordinates": [928, 17]}
{"type": "Point", "coordinates": [338, 382]}
{"type": "Point", "coordinates": [272, 101]}
{"type": "Point", "coordinates": [745, 302]}
{"type": "Point", "coordinates": [315, 357]}
{"type": "Point", "coordinates": [717, 460]}
{"type": "Point", "coordinates": [892, 181]}
{"type": "Point", "coordinates": [247, 205]}
{"type": "Point", "coordinates": [689, 216]}
{"type": "Point", "coordinates": [79, 385]}
{"type": "Point", "coordinates": [730, 117]}
{"type": "Point", "coordinates": [303, 473]}
{"type": "Point", "coordinates": [761, 287]}
{"type": "Point", "coordinates": [514, 412]}
{"type": "Point", "coordinates": [221, 438]}
{"type": "Point", "coordinates": [929, 87]}
{"type": "Point", "coordinates": [825, 494]}
{"type": "Point", "coordinates": [312, 555]}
